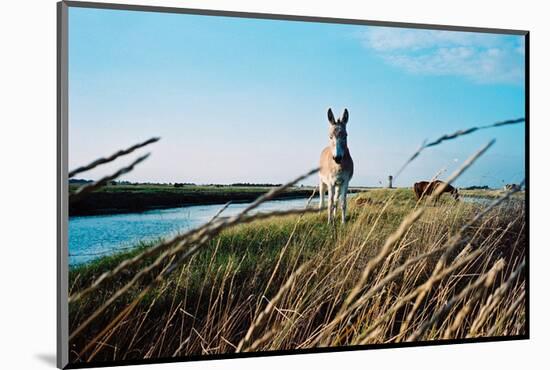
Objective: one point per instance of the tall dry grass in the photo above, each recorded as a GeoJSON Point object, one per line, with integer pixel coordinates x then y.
{"type": "Point", "coordinates": [398, 271]}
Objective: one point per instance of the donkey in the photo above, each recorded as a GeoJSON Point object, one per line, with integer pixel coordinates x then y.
{"type": "Point", "coordinates": [336, 167]}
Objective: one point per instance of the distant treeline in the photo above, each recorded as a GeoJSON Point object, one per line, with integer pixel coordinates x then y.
{"type": "Point", "coordinates": [79, 181]}
{"type": "Point", "coordinates": [86, 181]}
{"type": "Point", "coordinates": [176, 184]}
{"type": "Point", "coordinates": [476, 187]}
{"type": "Point", "coordinates": [182, 184]}
{"type": "Point", "coordinates": [236, 184]}
{"type": "Point", "coordinates": [250, 184]}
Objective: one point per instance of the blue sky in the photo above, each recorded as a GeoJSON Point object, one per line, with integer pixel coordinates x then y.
{"type": "Point", "coordinates": [245, 100]}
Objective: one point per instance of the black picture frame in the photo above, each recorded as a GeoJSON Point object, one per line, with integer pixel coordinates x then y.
{"type": "Point", "coordinates": [62, 176]}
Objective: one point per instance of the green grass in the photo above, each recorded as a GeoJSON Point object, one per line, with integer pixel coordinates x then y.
{"type": "Point", "coordinates": [493, 193]}
{"type": "Point", "coordinates": [212, 299]}
{"type": "Point", "coordinates": [137, 198]}
{"type": "Point", "coordinates": [248, 247]}
{"type": "Point", "coordinates": [252, 247]}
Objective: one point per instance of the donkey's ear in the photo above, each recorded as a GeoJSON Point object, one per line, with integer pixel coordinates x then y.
{"type": "Point", "coordinates": [345, 116]}
{"type": "Point", "coordinates": [331, 117]}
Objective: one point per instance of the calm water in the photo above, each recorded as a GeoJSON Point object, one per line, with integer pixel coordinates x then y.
{"type": "Point", "coordinates": [91, 237]}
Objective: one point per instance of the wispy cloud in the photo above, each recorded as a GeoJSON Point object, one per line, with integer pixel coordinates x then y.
{"type": "Point", "coordinates": [482, 58]}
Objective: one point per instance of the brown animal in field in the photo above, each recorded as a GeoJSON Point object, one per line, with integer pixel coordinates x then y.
{"type": "Point", "coordinates": [336, 166]}
{"type": "Point", "coordinates": [510, 187]}
{"type": "Point", "coordinates": [426, 188]}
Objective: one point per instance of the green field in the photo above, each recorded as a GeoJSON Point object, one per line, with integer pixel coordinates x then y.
{"type": "Point", "coordinates": [242, 284]}
{"type": "Point", "coordinates": [490, 194]}
{"type": "Point", "coordinates": [137, 198]}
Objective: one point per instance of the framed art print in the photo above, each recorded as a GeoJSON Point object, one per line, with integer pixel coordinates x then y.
{"type": "Point", "coordinates": [241, 184]}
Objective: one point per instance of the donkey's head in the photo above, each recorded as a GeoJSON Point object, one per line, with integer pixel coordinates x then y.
{"type": "Point", "coordinates": [338, 136]}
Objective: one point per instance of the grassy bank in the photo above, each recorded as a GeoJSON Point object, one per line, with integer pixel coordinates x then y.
{"type": "Point", "coordinates": [295, 282]}
{"type": "Point", "coordinates": [137, 198]}
{"type": "Point", "coordinates": [490, 194]}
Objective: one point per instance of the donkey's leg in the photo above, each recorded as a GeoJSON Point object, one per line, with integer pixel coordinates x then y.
{"type": "Point", "coordinates": [338, 189]}
{"type": "Point", "coordinates": [330, 201]}
{"type": "Point", "coordinates": [322, 190]}
{"type": "Point", "coordinates": [343, 198]}
{"type": "Point", "coordinates": [334, 202]}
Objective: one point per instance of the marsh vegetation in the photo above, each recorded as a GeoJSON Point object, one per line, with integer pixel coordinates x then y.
{"type": "Point", "coordinates": [400, 270]}
{"type": "Point", "coordinates": [295, 282]}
